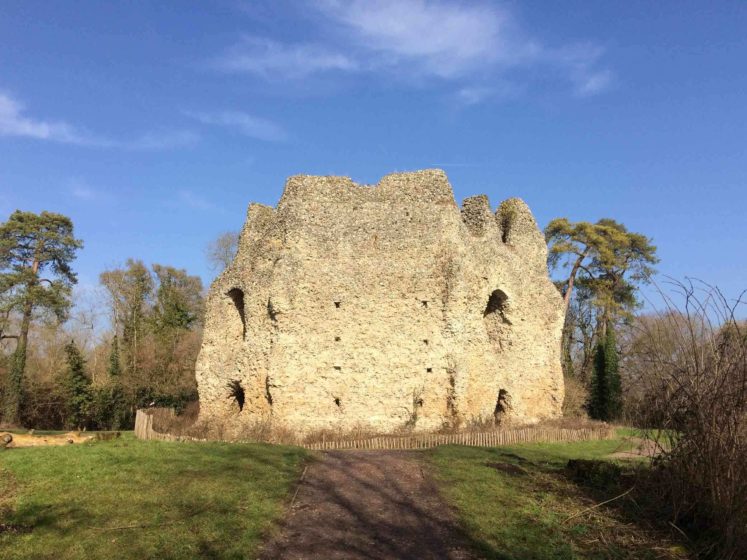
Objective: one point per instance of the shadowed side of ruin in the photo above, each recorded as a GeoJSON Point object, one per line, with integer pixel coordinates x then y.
{"type": "Point", "coordinates": [381, 307]}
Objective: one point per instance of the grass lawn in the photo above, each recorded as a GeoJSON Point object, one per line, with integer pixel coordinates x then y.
{"type": "Point", "coordinates": [515, 503]}
{"type": "Point", "coordinates": [133, 499]}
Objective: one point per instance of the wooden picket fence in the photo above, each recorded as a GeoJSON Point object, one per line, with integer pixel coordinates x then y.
{"type": "Point", "coordinates": [531, 434]}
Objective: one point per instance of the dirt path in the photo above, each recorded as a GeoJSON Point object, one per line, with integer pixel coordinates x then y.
{"type": "Point", "coordinates": [357, 505]}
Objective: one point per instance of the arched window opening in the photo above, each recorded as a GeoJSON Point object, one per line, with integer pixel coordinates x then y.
{"type": "Point", "coordinates": [498, 303]}
{"type": "Point", "coordinates": [505, 229]}
{"type": "Point", "coordinates": [237, 297]}
{"type": "Point", "coordinates": [496, 318]}
{"type": "Point", "coordinates": [502, 406]}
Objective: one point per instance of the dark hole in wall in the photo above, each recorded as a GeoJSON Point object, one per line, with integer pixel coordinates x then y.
{"type": "Point", "coordinates": [502, 405]}
{"type": "Point", "coordinates": [337, 304]}
{"type": "Point", "coordinates": [236, 392]}
{"type": "Point", "coordinates": [506, 223]}
{"type": "Point", "coordinates": [237, 296]}
{"type": "Point", "coordinates": [338, 368]}
{"type": "Point", "coordinates": [425, 303]}
{"type": "Point", "coordinates": [425, 341]}
{"type": "Point", "coordinates": [337, 339]}
{"type": "Point", "coordinates": [271, 312]}
{"type": "Point", "coordinates": [497, 303]}
{"type": "Point", "coordinates": [338, 402]}
{"type": "Point", "coordinates": [429, 370]}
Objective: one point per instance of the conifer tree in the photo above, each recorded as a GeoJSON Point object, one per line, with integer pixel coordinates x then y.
{"type": "Point", "coordinates": [612, 374]}
{"type": "Point", "coordinates": [606, 392]}
{"type": "Point", "coordinates": [599, 398]}
{"type": "Point", "coordinates": [77, 389]}
{"type": "Point", "coordinates": [116, 415]}
{"type": "Point", "coordinates": [114, 369]}
{"type": "Point", "coordinates": [35, 276]}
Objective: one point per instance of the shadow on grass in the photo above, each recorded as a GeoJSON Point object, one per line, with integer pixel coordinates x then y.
{"type": "Point", "coordinates": [522, 503]}
{"type": "Point", "coordinates": [152, 499]}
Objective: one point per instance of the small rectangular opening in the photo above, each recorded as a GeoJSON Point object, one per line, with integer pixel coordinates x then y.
{"type": "Point", "coordinates": [429, 370]}
{"type": "Point", "coordinates": [338, 368]}
{"type": "Point", "coordinates": [425, 341]}
{"type": "Point", "coordinates": [337, 339]}
{"type": "Point", "coordinates": [425, 303]}
{"type": "Point", "coordinates": [337, 304]}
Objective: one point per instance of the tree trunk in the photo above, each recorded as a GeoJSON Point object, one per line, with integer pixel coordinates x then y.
{"type": "Point", "coordinates": [572, 279]}
{"type": "Point", "coordinates": [12, 407]}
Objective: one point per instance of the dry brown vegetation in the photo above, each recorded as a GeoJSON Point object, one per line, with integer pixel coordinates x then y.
{"type": "Point", "coordinates": [687, 367]}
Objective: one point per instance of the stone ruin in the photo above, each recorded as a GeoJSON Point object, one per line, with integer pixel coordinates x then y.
{"type": "Point", "coordinates": [382, 308]}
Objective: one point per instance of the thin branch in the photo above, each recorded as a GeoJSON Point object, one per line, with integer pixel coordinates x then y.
{"type": "Point", "coordinates": [628, 491]}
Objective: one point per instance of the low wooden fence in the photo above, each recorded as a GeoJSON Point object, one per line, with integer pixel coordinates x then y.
{"type": "Point", "coordinates": [531, 434]}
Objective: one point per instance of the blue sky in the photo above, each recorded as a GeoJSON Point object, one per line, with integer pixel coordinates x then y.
{"type": "Point", "coordinates": [154, 124]}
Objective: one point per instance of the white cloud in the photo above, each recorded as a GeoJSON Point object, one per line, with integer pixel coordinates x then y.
{"type": "Point", "coordinates": [243, 123]}
{"type": "Point", "coordinates": [15, 123]}
{"type": "Point", "coordinates": [439, 38]}
{"type": "Point", "coordinates": [271, 59]}
{"type": "Point", "coordinates": [478, 42]}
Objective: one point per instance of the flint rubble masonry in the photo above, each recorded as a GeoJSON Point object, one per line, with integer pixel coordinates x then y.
{"type": "Point", "coordinates": [349, 305]}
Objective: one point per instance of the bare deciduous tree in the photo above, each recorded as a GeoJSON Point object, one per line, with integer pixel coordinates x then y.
{"type": "Point", "coordinates": [689, 367]}
{"type": "Point", "coordinates": [221, 251]}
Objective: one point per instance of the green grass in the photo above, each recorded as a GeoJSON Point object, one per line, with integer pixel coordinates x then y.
{"type": "Point", "coordinates": [524, 514]}
{"type": "Point", "coordinates": [134, 499]}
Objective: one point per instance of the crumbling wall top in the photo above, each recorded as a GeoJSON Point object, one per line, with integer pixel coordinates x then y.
{"type": "Point", "coordinates": [429, 185]}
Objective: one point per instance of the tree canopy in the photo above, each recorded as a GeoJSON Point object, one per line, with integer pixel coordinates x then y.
{"type": "Point", "coordinates": [607, 258]}
{"type": "Point", "coordinates": [36, 251]}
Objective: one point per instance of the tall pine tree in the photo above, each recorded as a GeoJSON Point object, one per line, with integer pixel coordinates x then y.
{"type": "Point", "coordinates": [36, 251]}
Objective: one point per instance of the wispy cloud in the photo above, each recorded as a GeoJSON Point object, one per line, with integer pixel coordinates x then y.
{"type": "Point", "coordinates": [478, 43]}
{"type": "Point", "coordinates": [162, 140]}
{"type": "Point", "coordinates": [81, 190]}
{"type": "Point", "coordinates": [444, 39]}
{"type": "Point", "coordinates": [271, 59]}
{"type": "Point", "coordinates": [15, 122]}
{"type": "Point", "coordinates": [472, 95]}
{"type": "Point", "coordinates": [84, 191]}
{"type": "Point", "coordinates": [592, 83]}
{"type": "Point", "coordinates": [195, 201]}
{"type": "Point", "coordinates": [243, 123]}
